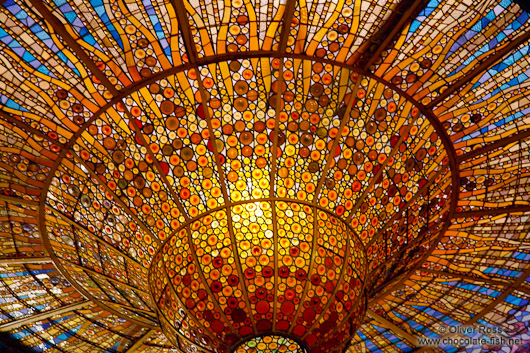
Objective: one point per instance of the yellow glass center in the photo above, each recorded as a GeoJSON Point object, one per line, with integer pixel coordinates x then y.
{"type": "Point", "coordinates": [259, 267]}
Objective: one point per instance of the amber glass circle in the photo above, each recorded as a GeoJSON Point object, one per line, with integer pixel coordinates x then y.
{"type": "Point", "coordinates": [261, 267]}
{"type": "Point", "coordinates": [269, 344]}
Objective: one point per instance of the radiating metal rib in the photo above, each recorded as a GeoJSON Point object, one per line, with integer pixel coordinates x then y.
{"type": "Point", "coordinates": [392, 327]}
{"type": "Point", "coordinates": [13, 325]}
{"type": "Point", "coordinates": [140, 341]}
{"type": "Point", "coordinates": [480, 68]}
{"type": "Point", "coordinates": [493, 211]}
{"type": "Point", "coordinates": [504, 141]}
{"type": "Point", "coordinates": [26, 260]}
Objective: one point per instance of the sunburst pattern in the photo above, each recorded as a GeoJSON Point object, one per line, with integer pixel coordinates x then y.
{"type": "Point", "coordinates": [377, 147]}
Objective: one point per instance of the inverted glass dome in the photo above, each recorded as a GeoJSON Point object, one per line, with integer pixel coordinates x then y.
{"type": "Point", "coordinates": [262, 176]}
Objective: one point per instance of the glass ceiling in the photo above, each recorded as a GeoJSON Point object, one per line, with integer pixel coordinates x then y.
{"type": "Point", "coordinates": [134, 128]}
